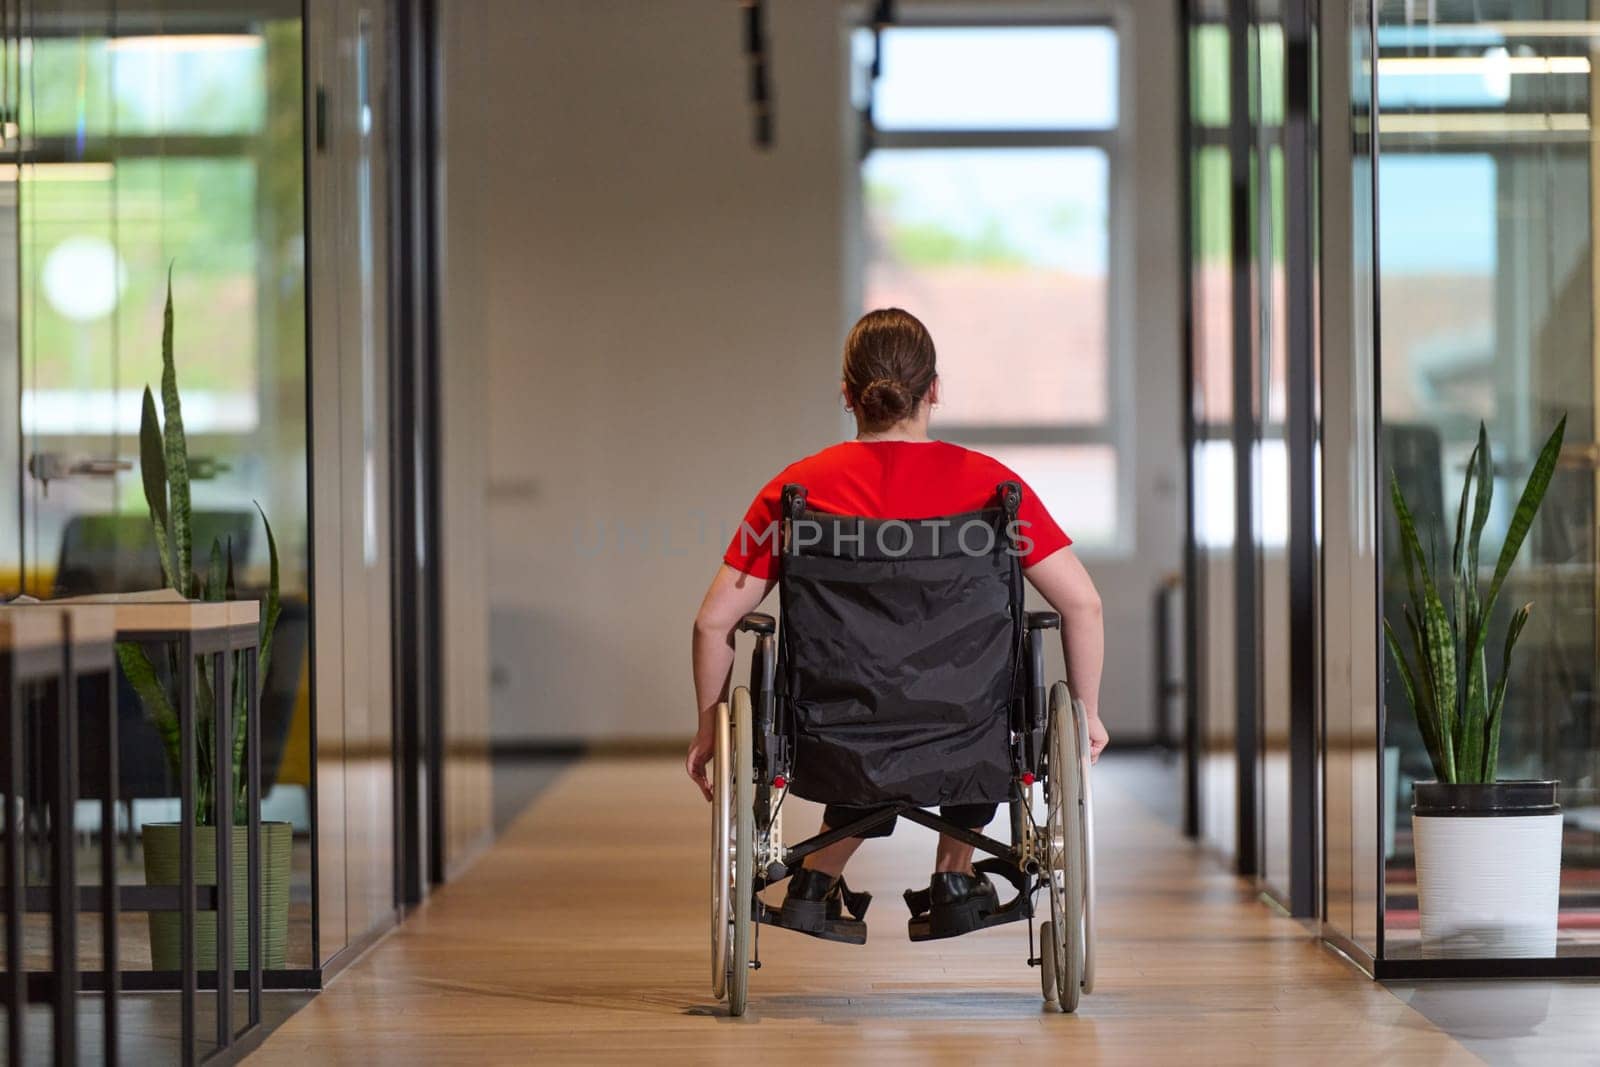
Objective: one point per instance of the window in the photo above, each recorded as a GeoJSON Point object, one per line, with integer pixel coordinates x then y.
{"type": "Point", "coordinates": [986, 203]}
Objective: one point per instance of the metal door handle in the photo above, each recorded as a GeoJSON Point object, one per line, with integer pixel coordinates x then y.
{"type": "Point", "coordinates": [47, 467]}
{"type": "Point", "coordinates": [99, 468]}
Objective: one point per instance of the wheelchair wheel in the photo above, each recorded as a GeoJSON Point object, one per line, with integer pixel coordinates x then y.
{"type": "Point", "coordinates": [721, 854]}
{"type": "Point", "coordinates": [1062, 956]}
{"type": "Point", "coordinates": [744, 844]}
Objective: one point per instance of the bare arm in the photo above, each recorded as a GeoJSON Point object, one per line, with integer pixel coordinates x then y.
{"type": "Point", "coordinates": [732, 596]}
{"type": "Point", "coordinates": [1062, 580]}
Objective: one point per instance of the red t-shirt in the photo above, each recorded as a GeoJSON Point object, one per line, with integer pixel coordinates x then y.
{"type": "Point", "coordinates": [889, 480]}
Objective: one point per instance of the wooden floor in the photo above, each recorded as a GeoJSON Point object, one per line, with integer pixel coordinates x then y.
{"type": "Point", "coordinates": [582, 937]}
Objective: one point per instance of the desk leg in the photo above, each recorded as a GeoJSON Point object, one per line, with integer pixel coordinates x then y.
{"type": "Point", "coordinates": [222, 816]}
{"type": "Point", "coordinates": [252, 727]}
{"type": "Point", "coordinates": [63, 855]}
{"type": "Point", "coordinates": [16, 883]}
{"type": "Point", "coordinates": [105, 696]}
{"type": "Point", "coordinates": [186, 815]}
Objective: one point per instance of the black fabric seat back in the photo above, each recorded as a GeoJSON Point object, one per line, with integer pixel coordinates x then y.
{"type": "Point", "coordinates": [900, 646]}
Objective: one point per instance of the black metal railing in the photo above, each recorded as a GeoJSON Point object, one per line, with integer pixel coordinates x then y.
{"type": "Point", "coordinates": [57, 671]}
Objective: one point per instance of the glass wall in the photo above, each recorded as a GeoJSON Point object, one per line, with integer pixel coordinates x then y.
{"type": "Point", "coordinates": [143, 145]}
{"type": "Point", "coordinates": [1212, 520]}
{"type": "Point", "coordinates": [1347, 431]}
{"type": "Point", "coordinates": [1269, 397]}
{"type": "Point", "coordinates": [1253, 394]}
{"type": "Point", "coordinates": [1486, 185]}
{"type": "Point", "coordinates": [1447, 274]}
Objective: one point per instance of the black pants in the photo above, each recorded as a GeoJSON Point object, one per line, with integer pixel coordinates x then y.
{"type": "Point", "coordinates": [966, 816]}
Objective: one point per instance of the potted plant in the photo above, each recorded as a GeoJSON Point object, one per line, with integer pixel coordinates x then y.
{"type": "Point", "coordinates": [1488, 852]}
{"type": "Point", "coordinates": [164, 459]}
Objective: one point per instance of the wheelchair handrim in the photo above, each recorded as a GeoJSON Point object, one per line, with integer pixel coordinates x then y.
{"type": "Point", "coordinates": [743, 854]}
{"type": "Point", "coordinates": [1080, 716]}
{"type": "Point", "coordinates": [1065, 872]}
{"type": "Point", "coordinates": [721, 864]}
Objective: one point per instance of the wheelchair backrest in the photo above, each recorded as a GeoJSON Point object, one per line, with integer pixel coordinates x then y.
{"type": "Point", "coordinates": [900, 646]}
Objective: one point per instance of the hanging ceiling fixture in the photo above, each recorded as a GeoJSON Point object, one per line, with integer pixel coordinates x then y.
{"type": "Point", "coordinates": [882, 18]}
{"type": "Point", "coordinates": [755, 50]}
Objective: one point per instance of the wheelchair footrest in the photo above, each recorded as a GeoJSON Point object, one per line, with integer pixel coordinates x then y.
{"type": "Point", "coordinates": [813, 922]}
{"type": "Point", "coordinates": [932, 923]}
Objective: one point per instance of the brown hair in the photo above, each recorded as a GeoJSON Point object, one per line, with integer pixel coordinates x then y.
{"type": "Point", "coordinates": [889, 365]}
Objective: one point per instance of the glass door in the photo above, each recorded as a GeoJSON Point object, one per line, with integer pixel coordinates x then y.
{"type": "Point", "coordinates": [349, 181]}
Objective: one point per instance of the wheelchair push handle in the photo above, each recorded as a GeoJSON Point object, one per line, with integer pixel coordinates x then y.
{"type": "Point", "coordinates": [759, 623]}
{"type": "Point", "coordinates": [1044, 620]}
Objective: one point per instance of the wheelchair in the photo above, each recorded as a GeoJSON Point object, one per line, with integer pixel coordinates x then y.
{"type": "Point", "coordinates": [906, 674]}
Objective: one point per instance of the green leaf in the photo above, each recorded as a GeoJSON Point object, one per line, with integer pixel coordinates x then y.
{"type": "Point", "coordinates": [1428, 719]}
{"type": "Point", "coordinates": [177, 456]}
{"type": "Point", "coordinates": [1457, 554]}
{"type": "Point", "coordinates": [1474, 716]}
{"type": "Point", "coordinates": [1485, 497]}
{"type": "Point", "coordinates": [147, 686]}
{"type": "Point", "coordinates": [231, 589]}
{"type": "Point", "coordinates": [269, 619]}
{"type": "Point", "coordinates": [1410, 545]}
{"type": "Point", "coordinates": [1426, 711]}
{"type": "Point", "coordinates": [269, 626]}
{"type": "Point", "coordinates": [1437, 646]}
{"type": "Point", "coordinates": [1480, 472]}
{"type": "Point", "coordinates": [153, 472]}
{"type": "Point", "coordinates": [216, 574]}
{"type": "Point", "coordinates": [1491, 756]}
{"type": "Point", "coordinates": [1441, 663]}
{"type": "Point", "coordinates": [1423, 715]}
{"type": "Point", "coordinates": [1544, 468]}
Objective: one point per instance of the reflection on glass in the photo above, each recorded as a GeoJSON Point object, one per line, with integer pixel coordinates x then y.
{"type": "Point", "coordinates": [1211, 465]}
{"type": "Point", "coordinates": [1270, 493]}
{"type": "Point", "coordinates": [1487, 259]}
{"type": "Point", "coordinates": [1003, 254]}
{"type": "Point", "coordinates": [145, 151]}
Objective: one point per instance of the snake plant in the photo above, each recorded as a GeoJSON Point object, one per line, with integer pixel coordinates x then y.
{"type": "Point", "coordinates": [165, 467]}
{"type": "Point", "coordinates": [1447, 680]}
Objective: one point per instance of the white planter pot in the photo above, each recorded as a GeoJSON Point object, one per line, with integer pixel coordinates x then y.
{"type": "Point", "coordinates": [1488, 868]}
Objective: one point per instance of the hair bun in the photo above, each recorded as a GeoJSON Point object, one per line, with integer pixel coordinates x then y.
{"type": "Point", "coordinates": [889, 366]}
{"type": "Point", "coordinates": [884, 400]}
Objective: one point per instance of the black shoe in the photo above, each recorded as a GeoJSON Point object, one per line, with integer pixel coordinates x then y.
{"type": "Point", "coordinates": [955, 903]}
{"type": "Point", "coordinates": [817, 904]}
{"type": "Point", "coordinates": [952, 889]}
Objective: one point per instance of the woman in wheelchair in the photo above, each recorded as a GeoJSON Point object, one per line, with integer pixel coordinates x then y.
{"type": "Point", "coordinates": [892, 471]}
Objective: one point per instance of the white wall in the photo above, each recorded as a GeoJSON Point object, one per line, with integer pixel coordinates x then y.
{"type": "Point", "coordinates": [663, 308]}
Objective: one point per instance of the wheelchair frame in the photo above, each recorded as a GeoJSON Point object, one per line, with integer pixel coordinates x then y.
{"type": "Point", "coordinates": [1044, 750]}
